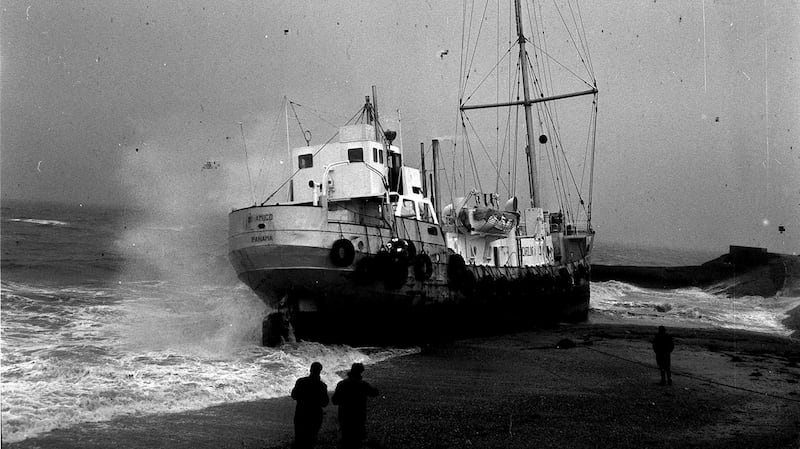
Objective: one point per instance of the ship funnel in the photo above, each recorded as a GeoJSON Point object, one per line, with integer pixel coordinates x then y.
{"type": "Point", "coordinates": [390, 135]}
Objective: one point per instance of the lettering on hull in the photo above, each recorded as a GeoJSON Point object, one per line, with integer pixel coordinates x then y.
{"type": "Point", "coordinates": [531, 251]}
{"type": "Point", "coordinates": [262, 217]}
{"type": "Point", "coordinates": [260, 238]}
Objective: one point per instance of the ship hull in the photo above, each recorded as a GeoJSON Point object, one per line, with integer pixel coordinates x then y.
{"type": "Point", "coordinates": [337, 312]}
{"type": "Point", "coordinates": [372, 298]}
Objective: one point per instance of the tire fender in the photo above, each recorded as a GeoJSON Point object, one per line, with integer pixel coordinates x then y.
{"type": "Point", "coordinates": [342, 253]}
{"type": "Point", "coordinates": [423, 267]}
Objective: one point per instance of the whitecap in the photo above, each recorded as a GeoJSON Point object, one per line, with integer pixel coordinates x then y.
{"type": "Point", "coordinates": [38, 221]}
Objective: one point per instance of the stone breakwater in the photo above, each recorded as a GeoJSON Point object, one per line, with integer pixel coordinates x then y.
{"type": "Point", "coordinates": [742, 272]}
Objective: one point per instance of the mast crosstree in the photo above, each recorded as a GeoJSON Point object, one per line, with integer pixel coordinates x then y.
{"type": "Point", "coordinates": [527, 102]}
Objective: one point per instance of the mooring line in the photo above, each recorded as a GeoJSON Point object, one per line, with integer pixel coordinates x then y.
{"type": "Point", "coordinates": [694, 376]}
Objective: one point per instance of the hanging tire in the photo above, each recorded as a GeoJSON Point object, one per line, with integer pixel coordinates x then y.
{"type": "Point", "coordinates": [401, 250]}
{"type": "Point", "coordinates": [564, 279]}
{"type": "Point", "coordinates": [412, 249]}
{"type": "Point", "coordinates": [583, 273]}
{"type": "Point", "coordinates": [423, 267]}
{"type": "Point", "coordinates": [342, 253]}
{"type": "Point", "coordinates": [456, 269]}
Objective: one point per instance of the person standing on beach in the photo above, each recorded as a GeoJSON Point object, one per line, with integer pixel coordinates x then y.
{"type": "Point", "coordinates": [311, 395]}
{"type": "Point", "coordinates": [351, 397]}
{"type": "Point", "coordinates": [663, 346]}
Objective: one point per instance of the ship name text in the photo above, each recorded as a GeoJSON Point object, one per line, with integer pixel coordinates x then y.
{"type": "Point", "coordinates": [262, 217]}
{"type": "Point", "coordinates": [531, 251]}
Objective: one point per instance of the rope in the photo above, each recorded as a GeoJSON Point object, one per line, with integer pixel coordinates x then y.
{"type": "Point", "coordinates": [694, 376]}
{"type": "Point", "coordinates": [318, 114]}
{"type": "Point", "coordinates": [299, 124]}
{"type": "Point", "coordinates": [263, 189]}
{"type": "Point", "coordinates": [298, 170]}
{"type": "Point", "coordinates": [247, 164]}
{"type": "Point", "coordinates": [488, 74]}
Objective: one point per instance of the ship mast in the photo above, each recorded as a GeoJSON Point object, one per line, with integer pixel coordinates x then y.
{"type": "Point", "coordinates": [527, 102]}
{"type": "Point", "coordinates": [533, 178]}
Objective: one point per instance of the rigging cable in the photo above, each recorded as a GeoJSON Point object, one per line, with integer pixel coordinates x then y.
{"type": "Point", "coordinates": [488, 74]}
{"type": "Point", "coordinates": [506, 146]}
{"type": "Point", "coordinates": [247, 164]}
{"type": "Point", "coordinates": [465, 47]}
{"type": "Point", "coordinates": [478, 38]}
{"type": "Point", "coordinates": [582, 37]}
{"type": "Point", "coordinates": [514, 178]}
{"type": "Point", "coordinates": [564, 194]}
{"type": "Point", "coordinates": [497, 100]}
{"type": "Point", "coordinates": [543, 50]}
{"type": "Point", "coordinates": [314, 154]}
{"type": "Point", "coordinates": [591, 173]}
{"type": "Point", "coordinates": [572, 39]}
{"type": "Point", "coordinates": [588, 140]}
{"type": "Point", "coordinates": [263, 162]}
{"type": "Point", "coordinates": [584, 40]}
{"type": "Point", "coordinates": [568, 167]}
{"type": "Point", "coordinates": [316, 113]}
{"type": "Point", "coordinates": [300, 125]}
{"type": "Point", "coordinates": [496, 167]}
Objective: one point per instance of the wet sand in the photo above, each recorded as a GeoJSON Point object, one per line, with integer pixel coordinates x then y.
{"type": "Point", "coordinates": [732, 389]}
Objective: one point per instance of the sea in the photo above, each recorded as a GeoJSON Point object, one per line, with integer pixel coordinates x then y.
{"type": "Point", "coordinates": [113, 311]}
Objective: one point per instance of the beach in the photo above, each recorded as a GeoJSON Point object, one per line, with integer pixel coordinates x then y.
{"type": "Point", "coordinates": [732, 389]}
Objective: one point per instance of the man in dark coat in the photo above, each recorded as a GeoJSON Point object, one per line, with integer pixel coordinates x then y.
{"type": "Point", "coordinates": [351, 397]}
{"type": "Point", "coordinates": [311, 395]}
{"type": "Point", "coordinates": [663, 346]}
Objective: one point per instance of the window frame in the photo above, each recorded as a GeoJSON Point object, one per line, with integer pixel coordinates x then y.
{"type": "Point", "coordinates": [351, 152]}
{"type": "Point", "coordinates": [308, 158]}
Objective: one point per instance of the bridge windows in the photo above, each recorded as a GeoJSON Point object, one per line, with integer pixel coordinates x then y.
{"type": "Point", "coordinates": [426, 212]}
{"type": "Point", "coordinates": [377, 155]}
{"type": "Point", "coordinates": [355, 154]}
{"type": "Point", "coordinates": [305, 161]}
{"type": "Point", "coordinates": [408, 210]}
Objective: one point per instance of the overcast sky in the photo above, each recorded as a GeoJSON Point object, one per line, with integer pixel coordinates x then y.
{"type": "Point", "coordinates": [124, 101]}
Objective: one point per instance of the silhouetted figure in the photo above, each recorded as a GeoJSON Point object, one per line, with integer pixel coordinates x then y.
{"type": "Point", "coordinates": [351, 397]}
{"type": "Point", "coordinates": [663, 346]}
{"type": "Point", "coordinates": [311, 395]}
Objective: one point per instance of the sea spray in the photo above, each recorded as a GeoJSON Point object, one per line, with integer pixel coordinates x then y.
{"type": "Point", "coordinates": [92, 376]}
{"type": "Point", "coordinates": [128, 312]}
{"type": "Point", "coordinates": [84, 355]}
{"type": "Point", "coordinates": [692, 307]}
{"type": "Point", "coordinates": [134, 311]}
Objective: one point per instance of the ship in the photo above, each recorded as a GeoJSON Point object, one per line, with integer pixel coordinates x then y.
{"type": "Point", "coordinates": [368, 249]}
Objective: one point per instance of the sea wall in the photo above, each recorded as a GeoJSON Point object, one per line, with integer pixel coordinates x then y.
{"type": "Point", "coordinates": [742, 272]}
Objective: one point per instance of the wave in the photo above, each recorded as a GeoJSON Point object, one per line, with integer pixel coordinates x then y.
{"type": "Point", "coordinates": [38, 221]}
{"type": "Point", "coordinates": [166, 228]}
{"type": "Point", "coordinates": [144, 383]}
{"type": "Point", "coordinates": [709, 307]}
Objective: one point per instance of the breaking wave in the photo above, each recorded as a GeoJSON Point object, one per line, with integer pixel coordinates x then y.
{"type": "Point", "coordinates": [693, 307]}
{"type": "Point", "coordinates": [37, 221]}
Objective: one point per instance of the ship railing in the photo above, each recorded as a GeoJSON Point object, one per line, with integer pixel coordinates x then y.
{"type": "Point", "coordinates": [579, 227]}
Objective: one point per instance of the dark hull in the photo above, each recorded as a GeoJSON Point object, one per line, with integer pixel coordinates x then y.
{"type": "Point", "coordinates": [343, 282]}
{"type": "Point", "coordinates": [350, 309]}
